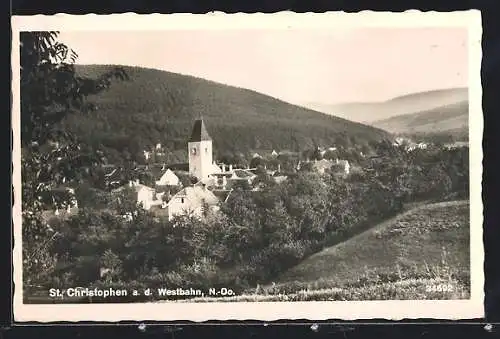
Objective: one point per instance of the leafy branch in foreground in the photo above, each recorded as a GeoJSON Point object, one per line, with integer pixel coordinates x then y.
{"type": "Point", "coordinates": [50, 91]}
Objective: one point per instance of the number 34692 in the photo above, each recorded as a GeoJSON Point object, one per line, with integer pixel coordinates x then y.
{"type": "Point", "coordinates": [439, 288]}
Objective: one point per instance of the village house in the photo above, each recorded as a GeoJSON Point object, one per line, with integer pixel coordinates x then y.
{"type": "Point", "coordinates": [338, 166]}
{"type": "Point", "coordinates": [321, 166]}
{"type": "Point", "coordinates": [279, 178]}
{"type": "Point", "coordinates": [341, 167]}
{"type": "Point", "coordinates": [457, 144]}
{"type": "Point", "coordinates": [112, 176]}
{"type": "Point", "coordinates": [344, 165]}
{"type": "Point", "coordinates": [168, 178]}
{"type": "Point", "coordinates": [414, 146]}
{"type": "Point", "coordinates": [399, 141]}
{"type": "Point", "coordinates": [228, 177]}
{"type": "Point", "coordinates": [63, 198]}
{"type": "Point", "coordinates": [192, 201]}
{"type": "Point", "coordinates": [144, 195]}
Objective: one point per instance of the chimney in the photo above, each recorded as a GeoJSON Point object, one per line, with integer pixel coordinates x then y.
{"type": "Point", "coordinates": [130, 183]}
{"type": "Point", "coordinates": [230, 168]}
{"type": "Point", "coordinates": [223, 168]}
{"type": "Point", "coordinates": [224, 181]}
{"type": "Point", "coordinates": [279, 168]}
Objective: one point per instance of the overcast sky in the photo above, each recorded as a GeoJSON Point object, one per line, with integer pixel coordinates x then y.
{"type": "Point", "coordinates": [298, 66]}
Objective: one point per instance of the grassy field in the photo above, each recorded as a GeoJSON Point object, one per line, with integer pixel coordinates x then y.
{"type": "Point", "coordinates": [421, 254]}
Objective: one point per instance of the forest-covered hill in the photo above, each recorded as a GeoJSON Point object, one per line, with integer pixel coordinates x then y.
{"type": "Point", "coordinates": [156, 106]}
{"type": "Point", "coordinates": [453, 119]}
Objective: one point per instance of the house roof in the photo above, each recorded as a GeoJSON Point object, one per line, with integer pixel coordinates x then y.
{"type": "Point", "coordinates": [223, 195]}
{"type": "Point", "coordinates": [135, 187]}
{"type": "Point", "coordinates": [243, 173]}
{"type": "Point", "coordinates": [205, 182]}
{"type": "Point", "coordinates": [199, 132]}
{"type": "Point", "coordinates": [159, 171]}
{"type": "Point", "coordinates": [197, 195]}
{"type": "Point", "coordinates": [156, 171]}
{"type": "Point", "coordinates": [216, 168]}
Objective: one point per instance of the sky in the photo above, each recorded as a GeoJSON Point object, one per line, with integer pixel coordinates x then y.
{"type": "Point", "coordinates": [295, 65]}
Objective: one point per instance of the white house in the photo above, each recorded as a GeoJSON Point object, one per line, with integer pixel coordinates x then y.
{"type": "Point", "coordinates": [228, 176]}
{"type": "Point", "coordinates": [60, 200]}
{"type": "Point", "coordinates": [280, 178]}
{"type": "Point", "coordinates": [339, 166]}
{"type": "Point", "coordinates": [343, 165]}
{"type": "Point", "coordinates": [191, 201]}
{"type": "Point", "coordinates": [321, 166]}
{"type": "Point", "coordinates": [168, 178]}
{"type": "Point", "coordinates": [144, 194]}
{"type": "Point", "coordinates": [241, 174]}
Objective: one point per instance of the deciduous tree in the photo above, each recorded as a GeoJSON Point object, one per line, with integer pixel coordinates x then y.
{"type": "Point", "coordinates": [50, 90]}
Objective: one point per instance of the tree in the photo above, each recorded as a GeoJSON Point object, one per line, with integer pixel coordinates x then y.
{"type": "Point", "coordinates": [50, 90]}
{"type": "Point", "coordinates": [256, 162]}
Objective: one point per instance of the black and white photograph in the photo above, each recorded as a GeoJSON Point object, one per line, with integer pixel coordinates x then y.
{"type": "Point", "coordinates": [260, 166]}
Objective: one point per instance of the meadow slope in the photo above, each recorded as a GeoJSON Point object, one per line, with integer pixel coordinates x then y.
{"type": "Point", "coordinates": [414, 255]}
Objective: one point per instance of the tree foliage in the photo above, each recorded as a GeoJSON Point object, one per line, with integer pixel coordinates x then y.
{"type": "Point", "coordinates": [50, 90]}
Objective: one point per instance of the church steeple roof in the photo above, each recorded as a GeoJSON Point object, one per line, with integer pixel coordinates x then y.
{"type": "Point", "coordinates": [199, 132]}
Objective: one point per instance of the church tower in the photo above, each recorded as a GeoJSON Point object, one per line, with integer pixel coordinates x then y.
{"type": "Point", "coordinates": [200, 151]}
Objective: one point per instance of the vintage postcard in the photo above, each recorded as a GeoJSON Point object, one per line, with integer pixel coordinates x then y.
{"type": "Point", "coordinates": [247, 166]}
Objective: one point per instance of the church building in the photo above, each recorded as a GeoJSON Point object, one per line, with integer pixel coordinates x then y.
{"type": "Point", "coordinates": [200, 153]}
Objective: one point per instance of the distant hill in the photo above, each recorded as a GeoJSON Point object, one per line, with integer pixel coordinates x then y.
{"type": "Point", "coordinates": [159, 107]}
{"type": "Point", "coordinates": [452, 119]}
{"type": "Point", "coordinates": [367, 112]}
